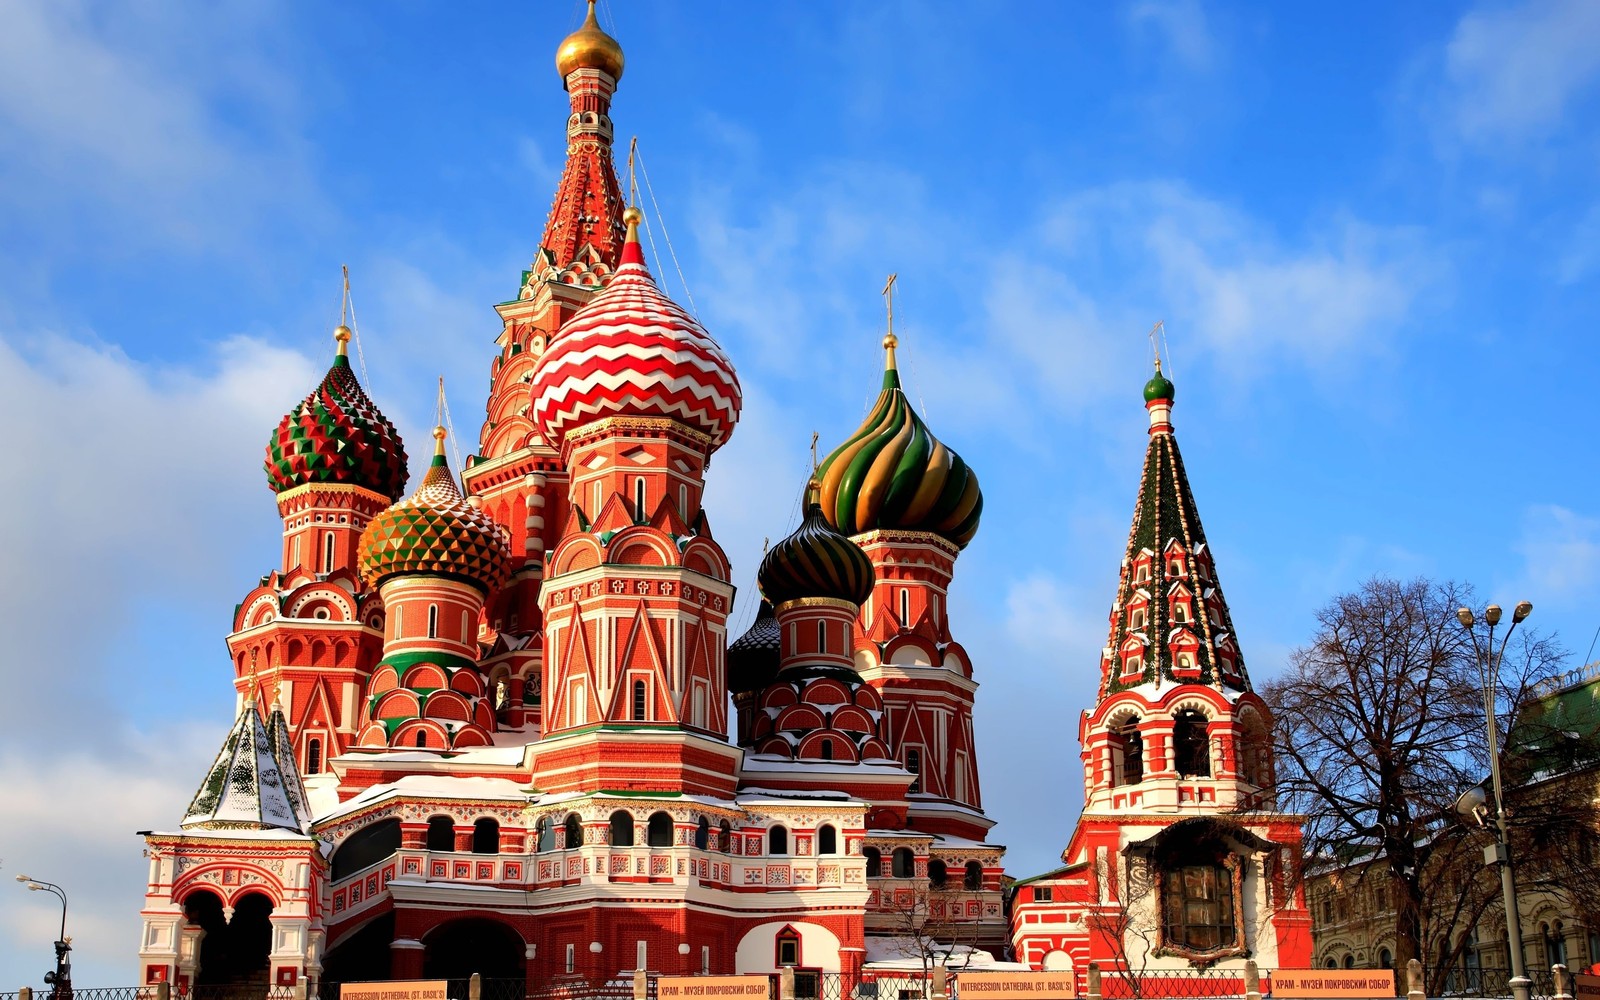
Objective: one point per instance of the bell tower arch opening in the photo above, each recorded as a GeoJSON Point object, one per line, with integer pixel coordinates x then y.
{"type": "Point", "coordinates": [459, 948]}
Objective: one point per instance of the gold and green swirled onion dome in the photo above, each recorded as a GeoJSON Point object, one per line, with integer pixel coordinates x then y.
{"type": "Point", "coordinates": [893, 473]}
{"type": "Point", "coordinates": [815, 561]}
{"type": "Point", "coordinates": [337, 435]}
{"type": "Point", "coordinates": [436, 532]}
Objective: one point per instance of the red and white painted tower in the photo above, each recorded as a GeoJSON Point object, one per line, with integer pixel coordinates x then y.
{"type": "Point", "coordinates": [518, 473]}
{"type": "Point", "coordinates": [1180, 857]}
{"type": "Point", "coordinates": [636, 396]}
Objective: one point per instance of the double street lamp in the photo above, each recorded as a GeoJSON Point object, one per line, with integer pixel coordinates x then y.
{"type": "Point", "coordinates": [1472, 802]}
{"type": "Point", "coordinates": [61, 979]}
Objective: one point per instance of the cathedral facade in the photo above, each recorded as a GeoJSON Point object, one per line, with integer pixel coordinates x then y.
{"type": "Point", "coordinates": [496, 724]}
{"type": "Point", "coordinates": [484, 725]}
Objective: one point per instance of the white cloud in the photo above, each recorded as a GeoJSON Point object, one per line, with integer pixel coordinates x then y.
{"type": "Point", "coordinates": [1561, 553]}
{"type": "Point", "coordinates": [80, 810]}
{"type": "Point", "coordinates": [1514, 70]}
{"type": "Point", "coordinates": [169, 116]}
{"type": "Point", "coordinates": [143, 490]}
{"type": "Point", "coordinates": [1181, 27]}
{"type": "Point", "coordinates": [1253, 298]}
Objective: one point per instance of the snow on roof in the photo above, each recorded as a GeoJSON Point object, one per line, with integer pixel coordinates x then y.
{"type": "Point", "coordinates": [784, 796]}
{"type": "Point", "coordinates": [235, 833]}
{"type": "Point", "coordinates": [433, 786]}
{"type": "Point", "coordinates": [777, 764]}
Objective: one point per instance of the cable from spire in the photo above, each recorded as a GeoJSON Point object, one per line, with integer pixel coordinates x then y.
{"type": "Point", "coordinates": [441, 418]}
{"type": "Point", "coordinates": [656, 206]}
{"type": "Point", "coordinates": [347, 318]}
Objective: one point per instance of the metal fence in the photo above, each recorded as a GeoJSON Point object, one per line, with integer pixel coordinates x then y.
{"type": "Point", "coordinates": [1492, 983]}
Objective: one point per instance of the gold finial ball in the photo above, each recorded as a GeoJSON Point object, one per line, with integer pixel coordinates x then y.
{"type": "Point", "coordinates": [590, 48]}
{"type": "Point", "coordinates": [341, 333]}
{"type": "Point", "coordinates": [631, 216]}
{"type": "Point", "coordinates": [438, 433]}
{"type": "Point", "coordinates": [890, 342]}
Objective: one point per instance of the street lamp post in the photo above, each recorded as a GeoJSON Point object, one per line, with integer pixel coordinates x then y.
{"type": "Point", "coordinates": [1500, 853]}
{"type": "Point", "coordinates": [61, 979]}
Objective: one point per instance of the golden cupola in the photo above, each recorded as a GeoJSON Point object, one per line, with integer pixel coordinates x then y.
{"type": "Point", "coordinates": [590, 48]}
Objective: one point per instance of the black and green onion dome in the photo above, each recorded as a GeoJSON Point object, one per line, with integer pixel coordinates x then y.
{"type": "Point", "coordinates": [893, 473]}
{"type": "Point", "coordinates": [337, 435]}
{"type": "Point", "coordinates": [753, 657]}
{"type": "Point", "coordinates": [815, 561]}
{"type": "Point", "coordinates": [436, 532]}
{"type": "Point", "coordinates": [1159, 387]}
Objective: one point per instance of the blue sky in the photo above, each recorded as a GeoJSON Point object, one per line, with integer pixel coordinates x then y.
{"type": "Point", "coordinates": [1372, 230]}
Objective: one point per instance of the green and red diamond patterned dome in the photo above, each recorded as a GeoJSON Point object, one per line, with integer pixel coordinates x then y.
{"type": "Point", "coordinates": [436, 532]}
{"type": "Point", "coordinates": [337, 435]}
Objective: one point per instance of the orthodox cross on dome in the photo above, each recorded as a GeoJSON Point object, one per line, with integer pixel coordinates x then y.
{"type": "Point", "coordinates": [890, 341]}
{"type": "Point", "coordinates": [1155, 347]}
{"type": "Point", "coordinates": [814, 453]}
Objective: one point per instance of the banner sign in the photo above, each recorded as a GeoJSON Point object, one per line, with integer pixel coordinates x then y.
{"type": "Point", "coordinates": [1332, 983]}
{"type": "Point", "coordinates": [1015, 985]}
{"type": "Point", "coordinates": [1585, 986]}
{"type": "Point", "coordinates": [404, 989]}
{"type": "Point", "coordinates": [700, 987]}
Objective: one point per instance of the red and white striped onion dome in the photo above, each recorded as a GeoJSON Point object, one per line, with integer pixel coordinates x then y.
{"type": "Point", "coordinates": [633, 352]}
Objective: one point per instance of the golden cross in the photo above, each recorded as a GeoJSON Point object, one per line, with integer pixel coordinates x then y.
{"type": "Point", "coordinates": [888, 297]}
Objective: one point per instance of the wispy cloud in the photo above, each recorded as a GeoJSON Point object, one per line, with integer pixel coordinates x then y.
{"type": "Point", "coordinates": [1561, 553]}
{"type": "Point", "coordinates": [1513, 71]}
{"type": "Point", "coordinates": [1179, 26]}
{"type": "Point", "coordinates": [136, 113]}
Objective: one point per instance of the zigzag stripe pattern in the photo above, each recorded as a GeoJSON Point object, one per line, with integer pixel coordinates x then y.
{"type": "Point", "coordinates": [634, 352]}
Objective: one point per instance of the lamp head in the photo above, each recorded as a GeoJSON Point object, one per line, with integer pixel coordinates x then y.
{"type": "Point", "coordinates": [1464, 616]}
{"type": "Point", "coordinates": [1522, 611]}
{"type": "Point", "coordinates": [24, 878]}
{"type": "Point", "coordinates": [1474, 802]}
{"type": "Point", "coordinates": [1491, 614]}
{"type": "Point", "coordinates": [34, 887]}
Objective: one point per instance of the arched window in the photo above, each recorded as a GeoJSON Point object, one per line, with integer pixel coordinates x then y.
{"type": "Point", "coordinates": [938, 874]}
{"type": "Point", "coordinates": [638, 701]}
{"type": "Point", "coordinates": [788, 948]}
{"type": "Point", "coordinates": [422, 738]}
{"type": "Point", "coordinates": [683, 502]}
{"type": "Point", "coordinates": [1180, 612]}
{"type": "Point", "coordinates": [658, 830]}
{"type": "Point", "coordinates": [327, 552]}
{"type": "Point", "coordinates": [441, 833]}
{"type": "Point", "coordinates": [571, 832]}
{"type": "Point", "coordinates": [639, 513]}
{"type": "Point", "coordinates": [1199, 907]}
{"type": "Point", "coordinates": [1191, 747]}
{"type": "Point", "coordinates": [1349, 961]}
{"type": "Point", "coordinates": [724, 837]}
{"type": "Point", "coordinates": [544, 835]}
{"type": "Point", "coordinates": [294, 551]}
{"type": "Point", "coordinates": [827, 840]}
{"type": "Point", "coordinates": [905, 605]}
{"type": "Point", "coordinates": [826, 750]}
{"type": "Point", "coordinates": [1127, 739]}
{"type": "Point", "coordinates": [313, 756]}
{"type": "Point", "coordinates": [622, 828]}
{"type": "Point", "coordinates": [904, 865]}
{"type": "Point", "coordinates": [1386, 958]}
{"type": "Point", "coordinates": [974, 877]}
{"type": "Point", "coordinates": [1136, 618]}
{"type": "Point", "coordinates": [874, 861]}
{"type": "Point", "coordinates": [486, 836]}
{"type": "Point", "coordinates": [367, 846]}
{"type": "Point", "coordinates": [778, 841]}
{"type": "Point", "coordinates": [702, 833]}
{"type": "Point", "coordinates": [822, 637]}
{"type": "Point", "coordinates": [1330, 964]}
{"type": "Point", "coordinates": [433, 621]}
{"type": "Point", "coordinates": [914, 765]}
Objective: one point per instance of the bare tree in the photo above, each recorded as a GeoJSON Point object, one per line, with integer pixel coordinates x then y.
{"type": "Point", "coordinates": [1127, 916]}
{"type": "Point", "coordinates": [1380, 726]}
{"type": "Point", "coordinates": [929, 931]}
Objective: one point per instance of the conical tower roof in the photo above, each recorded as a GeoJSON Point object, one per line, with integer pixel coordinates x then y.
{"type": "Point", "coordinates": [253, 784]}
{"type": "Point", "coordinates": [1170, 623]}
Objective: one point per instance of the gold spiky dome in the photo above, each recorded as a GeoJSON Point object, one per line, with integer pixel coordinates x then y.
{"type": "Point", "coordinates": [590, 48]}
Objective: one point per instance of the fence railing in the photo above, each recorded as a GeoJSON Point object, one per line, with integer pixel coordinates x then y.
{"type": "Point", "coordinates": [1093, 984]}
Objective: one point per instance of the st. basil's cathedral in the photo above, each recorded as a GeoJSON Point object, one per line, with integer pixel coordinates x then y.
{"type": "Point", "coordinates": [485, 726]}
